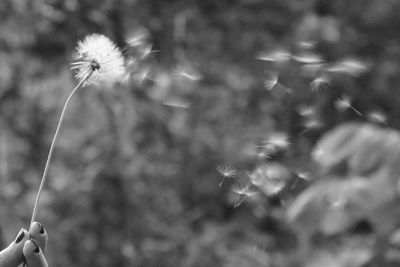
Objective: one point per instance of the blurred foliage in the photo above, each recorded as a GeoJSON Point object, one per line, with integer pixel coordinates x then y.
{"type": "Point", "coordinates": [133, 181]}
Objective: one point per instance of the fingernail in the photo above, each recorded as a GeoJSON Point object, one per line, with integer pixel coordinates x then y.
{"type": "Point", "coordinates": [20, 236]}
{"type": "Point", "coordinates": [37, 249]}
{"type": "Point", "coordinates": [41, 229]}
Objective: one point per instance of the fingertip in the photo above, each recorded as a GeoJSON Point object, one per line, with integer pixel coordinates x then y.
{"type": "Point", "coordinates": [39, 234]}
{"type": "Point", "coordinates": [22, 236]}
{"type": "Point", "coordinates": [33, 254]}
{"type": "Point", "coordinates": [37, 227]}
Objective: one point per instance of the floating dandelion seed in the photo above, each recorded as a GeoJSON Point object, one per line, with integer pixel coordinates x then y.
{"type": "Point", "coordinates": [138, 38]}
{"type": "Point", "coordinates": [308, 58]}
{"type": "Point", "coordinates": [306, 111]}
{"type": "Point", "coordinates": [319, 83]}
{"type": "Point", "coordinates": [377, 117]}
{"type": "Point", "coordinates": [306, 44]}
{"type": "Point", "coordinates": [352, 67]}
{"type": "Point", "coordinates": [312, 124]}
{"type": "Point", "coordinates": [97, 59]}
{"type": "Point", "coordinates": [344, 103]}
{"type": "Point", "coordinates": [177, 103]}
{"type": "Point", "coordinates": [187, 75]}
{"type": "Point", "coordinates": [275, 56]}
{"type": "Point", "coordinates": [243, 193]}
{"type": "Point", "coordinates": [279, 140]}
{"type": "Point", "coordinates": [271, 81]}
{"type": "Point", "coordinates": [265, 152]}
{"type": "Point", "coordinates": [226, 171]}
{"type": "Point", "coordinates": [303, 175]}
{"type": "Point", "coordinates": [317, 153]}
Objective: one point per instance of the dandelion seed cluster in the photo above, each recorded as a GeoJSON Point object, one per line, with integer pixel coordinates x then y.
{"type": "Point", "coordinates": [97, 59]}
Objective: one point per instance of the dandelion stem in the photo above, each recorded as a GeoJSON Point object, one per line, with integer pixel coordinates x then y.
{"type": "Point", "coordinates": [46, 168]}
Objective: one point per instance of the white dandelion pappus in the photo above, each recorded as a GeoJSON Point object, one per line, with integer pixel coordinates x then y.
{"type": "Point", "coordinates": [226, 171]}
{"type": "Point", "coordinates": [312, 124]}
{"type": "Point", "coordinates": [271, 81]}
{"type": "Point", "coordinates": [319, 83]}
{"type": "Point", "coordinates": [377, 117]}
{"type": "Point", "coordinates": [97, 59]}
{"type": "Point", "coordinates": [177, 103]}
{"type": "Point", "coordinates": [344, 103]}
{"type": "Point", "coordinates": [307, 111]}
{"type": "Point", "coordinates": [191, 76]}
{"type": "Point", "coordinates": [275, 56]}
{"type": "Point", "coordinates": [279, 140]}
{"type": "Point", "coordinates": [303, 175]}
{"type": "Point", "coordinates": [243, 193]}
{"type": "Point", "coordinates": [352, 67]}
{"type": "Point", "coordinates": [308, 58]}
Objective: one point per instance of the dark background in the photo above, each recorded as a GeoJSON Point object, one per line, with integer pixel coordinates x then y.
{"type": "Point", "coordinates": [133, 181]}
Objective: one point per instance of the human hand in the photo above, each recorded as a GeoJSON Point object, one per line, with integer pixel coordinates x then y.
{"type": "Point", "coordinates": [28, 247]}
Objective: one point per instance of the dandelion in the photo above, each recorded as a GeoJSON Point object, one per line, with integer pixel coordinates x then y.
{"type": "Point", "coordinates": [243, 193]}
{"type": "Point", "coordinates": [344, 103]}
{"type": "Point", "coordinates": [271, 81]}
{"type": "Point", "coordinates": [226, 171]}
{"type": "Point", "coordinates": [97, 60]}
{"type": "Point", "coordinates": [319, 83]}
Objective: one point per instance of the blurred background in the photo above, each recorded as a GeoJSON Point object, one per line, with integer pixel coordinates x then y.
{"type": "Point", "coordinates": [173, 168]}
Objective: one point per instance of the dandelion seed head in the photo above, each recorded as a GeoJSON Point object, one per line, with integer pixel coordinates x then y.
{"type": "Point", "coordinates": [97, 59]}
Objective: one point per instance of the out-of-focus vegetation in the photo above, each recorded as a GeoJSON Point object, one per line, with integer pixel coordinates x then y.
{"type": "Point", "coordinates": [133, 181]}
